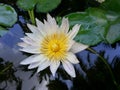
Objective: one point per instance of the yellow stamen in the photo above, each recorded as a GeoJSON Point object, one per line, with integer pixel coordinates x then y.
{"type": "Point", "coordinates": [55, 46]}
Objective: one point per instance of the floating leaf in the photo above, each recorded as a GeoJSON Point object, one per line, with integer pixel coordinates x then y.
{"type": "Point", "coordinates": [8, 15]}
{"type": "Point", "coordinates": [112, 16]}
{"type": "Point", "coordinates": [26, 4]}
{"type": "Point", "coordinates": [88, 37]}
{"type": "Point", "coordinates": [2, 31]}
{"type": "Point", "coordinates": [113, 34]}
{"type": "Point", "coordinates": [93, 23]}
{"type": "Point", "coordinates": [113, 5]}
{"type": "Point", "coordinates": [41, 5]}
{"type": "Point", "coordinates": [47, 5]}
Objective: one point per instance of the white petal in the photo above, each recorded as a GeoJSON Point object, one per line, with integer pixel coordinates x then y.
{"type": "Point", "coordinates": [71, 42]}
{"type": "Point", "coordinates": [47, 27]}
{"type": "Point", "coordinates": [50, 26]}
{"type": "Point", "coordinates": [32, 59]}
{"type": "Point", "coordinates": [72, 33]}
{"type": "Point", "coordinates": [33, 28]}
{"type": "Point", "coordinates": [50, 29]}
{"type": "Point", "coordinates": [36, 37]}
{"type": "Point", "coordinates": [22, 44]}
{"type": "Point", "coordinates": [65, 25]}
{"type": "Point", "coordinates": [31, 49]}
{"type": "Point", "coordinates": [33, 65]}
{"type": "Point", "coordinates": [69, 68]}
{"type": "Point", "coordinates": [77, 47]}
{"type": "Point", "coordinates": [51, 20]}
{"type": "Point", "coordinates": [40, 26]}
{"type": "Point", "coordinates": [54, 66]}
{"type": "Point", "coordinates": [72, 58]}
{"type": "Point", "coordinates": [43, 65]}
{"type": "Point", "coordinates": [29, 41]}
{"type": "Point", "coordinates": [37, 64]}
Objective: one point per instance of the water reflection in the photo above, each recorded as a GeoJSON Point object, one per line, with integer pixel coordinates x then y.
{"type": "Point", "coordinates": [20, 78]}
{"type": "Point", "coordinates": [9, 53]}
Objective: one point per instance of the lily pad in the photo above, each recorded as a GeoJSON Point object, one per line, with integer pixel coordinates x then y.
{"type": "Point", "coordinates": [2, 31]}
{"type": "Point", "coordinates": [113, 5]}
{"type": "Point", "coordinates": [47, 5]}
{"type": "Point", "coordinates": [93, 23]}
{"type": "Point", "coordinates": [88, 37]}
{"type": "Point", "coordinates": [8, 15]}
{"type": "Point", "coordinates": [26, 4]}
{"type": "Point", "coordinates": [113, 34]}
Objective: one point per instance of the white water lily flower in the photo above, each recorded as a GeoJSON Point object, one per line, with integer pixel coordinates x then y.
{"type": "Point", "coordinates": [51, 45]}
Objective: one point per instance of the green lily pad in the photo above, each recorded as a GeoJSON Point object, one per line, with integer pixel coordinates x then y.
{"type": "Point", "coordinates": [26, 4]}
{"type": "Point", "coordinates": [113, 34]}
{"type": "Point", "coordinates": [8, 15]}
{"type": "Point", "coordinates": [2, 31]}
{"type": "Point", "coordinates": [112, 16]}
{"type": "Point", "coordinates": [41, 5]}
{"type": "Point", "coordinates": [88, 37]}
{"type": "Point", "coordinates": [94, 24]}
{"type": "Point", "coordinates": [113, 5]}
{"type": "Point", "coordinates": [47, 5]}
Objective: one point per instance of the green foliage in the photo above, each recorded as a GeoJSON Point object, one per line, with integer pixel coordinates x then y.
{"type": "Point", "coordinates": [41, 5]}
{"type": "Point", "coordinates": [97, 26]}
{"type": "Point", "coordinates": [8, 17]}
{"type": "Point", "coordinates": [113, 34]}
{"type": "Point", "coordinates": [88, 37]}
{"type": "Point", "coordinates": [2, 31]}
{"type": "Point", "coordinates": [47, 5]}
{"type": "Point", "coordinates": [113, 5]}
{"type": "Point", "coordinates": [93, 23]}
{"type": "Point", "coordinates": [26, 4]}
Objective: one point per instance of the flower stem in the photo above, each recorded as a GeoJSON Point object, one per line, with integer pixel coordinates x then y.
{"type": "Point", "coordinates": [107, 65]}
{"type": "Point", "coordinates": [32, 17]}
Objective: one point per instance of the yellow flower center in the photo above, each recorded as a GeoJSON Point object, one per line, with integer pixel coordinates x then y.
{"type": "Point", "coordinates": [55, 46]}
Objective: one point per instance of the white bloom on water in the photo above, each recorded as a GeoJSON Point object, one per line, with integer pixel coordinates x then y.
{"type": "Point", "coordinates": [100, 1]}
{"type": "Point", "coordinates": [51, 45]}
